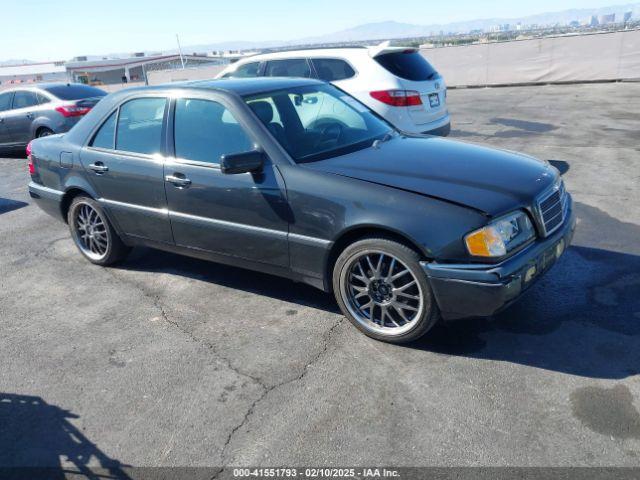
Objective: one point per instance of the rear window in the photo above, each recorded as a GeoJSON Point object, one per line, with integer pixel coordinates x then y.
{"type": "Point", "coordinates": [332, 69]}
{"type": "Point", "coordinates": [407, 64]}
{"type": "Point", "coordinates": [74, 92]}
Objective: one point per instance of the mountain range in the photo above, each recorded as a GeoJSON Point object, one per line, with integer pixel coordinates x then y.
{"type": "Point", "coordinates": [395, 30]}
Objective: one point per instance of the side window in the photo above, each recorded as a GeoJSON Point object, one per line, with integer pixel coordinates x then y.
{"type": "Point", "coordinates": [245, 71]}
{"type": "Point", "coordinates": [140, 125]}
{"type": "Point", "coordinates": [105, 136]}
{"type": "Point", "coordinates": [332, 69]}
{"type": "Point", "coordinates": [5, 101]}
{"type": "Point", "coordinates": [205, 130]}
{"type": "Point", "coordinates": [24, 99]}
{"type": "Point", "coordinates": [295, 67]}
{"type": "Point", "coordinates": [317, 109]}
{"type": "Point", "coordinates": [42, 99]}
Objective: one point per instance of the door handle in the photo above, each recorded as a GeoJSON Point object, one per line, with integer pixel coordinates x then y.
{"type": "Point", "coordinates": [178, 181]}
{"type": "Point", "coordinates": [99, 167]}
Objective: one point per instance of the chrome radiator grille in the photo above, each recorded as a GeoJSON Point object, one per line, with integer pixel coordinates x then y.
{"type": "Point", "coordinates": [552, 208]}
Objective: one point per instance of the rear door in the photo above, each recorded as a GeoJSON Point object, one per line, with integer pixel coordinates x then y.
{"type": "Point", "coordinates": [5, 106]}
{"type": "Point", "coordinates": [415, 73]}
{"type": "Point", "coordinates": [124, 161]}
{"type": "Point", "coordinates": [18, 119]}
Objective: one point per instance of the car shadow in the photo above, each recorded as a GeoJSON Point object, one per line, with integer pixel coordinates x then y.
{"type": "Point", "coordinates": [149, 260]}
{"type": "Point", "coordinates": [17, 153]}
{"type": "Point", "coordinates": [581, 318]}
{"type": "Point", "coordinates": [38, 441]}
{"type": "Point", "coordinates": [8, 205]}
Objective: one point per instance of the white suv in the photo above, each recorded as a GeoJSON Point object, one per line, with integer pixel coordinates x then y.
{"type": "Point", "coordinates": [398, 83]}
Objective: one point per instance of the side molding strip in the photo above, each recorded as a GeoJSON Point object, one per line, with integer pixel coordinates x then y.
{"type": "Point", "coordinates": [295, 237]}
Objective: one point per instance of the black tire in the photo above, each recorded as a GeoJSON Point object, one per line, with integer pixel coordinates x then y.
{"type": "Point", "coordinates": [395, 258]}
{"type": "Point", "coordinates": [113, 251]}
{"type": "Point", "coordinates": [44, 132]}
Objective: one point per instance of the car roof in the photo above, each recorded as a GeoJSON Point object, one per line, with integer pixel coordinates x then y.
{"type": "Point", "coordinates": [309, 52]}
{"type": "Point", "coordinates": [43, 86]}
{"type": "Point", "coordinates": [240, 86]}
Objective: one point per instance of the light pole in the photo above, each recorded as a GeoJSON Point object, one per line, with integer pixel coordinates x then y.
{"type": "Point", "coordinates": [180, 50]}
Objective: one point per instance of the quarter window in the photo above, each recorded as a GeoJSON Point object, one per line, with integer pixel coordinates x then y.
{"type": "Point", "coordinates": [205, 130]}
{"type": "Point", "coordinates": [295, 67]}
{"type": "Point", "coordinates": [24, 99]}
{"type": "Point", "coordinates": [105, 136]}
{"type": "Point", "coordinates": [332, 69]}
{"type": "Point", "coordinates": [140, 126]}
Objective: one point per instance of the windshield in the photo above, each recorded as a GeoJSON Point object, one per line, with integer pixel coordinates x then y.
{"type": "Point", "coordinates": [318, 121]}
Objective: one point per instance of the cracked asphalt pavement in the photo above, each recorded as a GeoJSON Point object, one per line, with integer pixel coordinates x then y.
{"type": "Point", "coordinates": [170, 361]}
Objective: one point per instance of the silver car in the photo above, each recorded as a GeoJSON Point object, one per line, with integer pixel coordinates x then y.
{"type": "Point", "coordinates": [43, 109]}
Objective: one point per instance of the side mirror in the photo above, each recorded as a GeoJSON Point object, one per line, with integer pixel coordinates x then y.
{"type": "Point", "coordinates": [244, 162]}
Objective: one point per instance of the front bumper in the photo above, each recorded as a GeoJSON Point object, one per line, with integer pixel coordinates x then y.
{"type": "Point", "coordinates": [474, 290]}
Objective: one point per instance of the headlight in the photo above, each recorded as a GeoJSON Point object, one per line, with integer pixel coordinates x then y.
{"type": "Point", "coordinates": [500, 236]}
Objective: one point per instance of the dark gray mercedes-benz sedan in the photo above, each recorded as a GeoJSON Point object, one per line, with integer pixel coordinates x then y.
{"type": "Point", "coordinates": [295, 178]}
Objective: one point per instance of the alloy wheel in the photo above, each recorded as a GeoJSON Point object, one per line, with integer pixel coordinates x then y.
{"type": "Point", "coordinates": [91, 232]}
{"type": "Point", "coordinates": [382, 293]}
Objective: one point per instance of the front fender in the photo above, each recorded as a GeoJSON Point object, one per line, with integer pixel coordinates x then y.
{"type": "Point", "coordinates": [326, 207]}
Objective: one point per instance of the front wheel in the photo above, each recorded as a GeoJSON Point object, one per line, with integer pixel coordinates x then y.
{"type": "Point", "coordinates": [93, 234]}
{"type": "Point", "coordinates": [381, 288]}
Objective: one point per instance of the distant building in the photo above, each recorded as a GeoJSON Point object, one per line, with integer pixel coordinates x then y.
{"type": "Point", "coordinates": [574, 24]}
{"type": "Point", "coordinates": [32, 73]}
{"type": "Point", "coordinates": [132, 69]}
{"type": "Point", "coordinates": [606, 19]}
{"type": "Point", "coordinates": [592, 21]}
{"type": "Point", "coordinates": [627, 16]}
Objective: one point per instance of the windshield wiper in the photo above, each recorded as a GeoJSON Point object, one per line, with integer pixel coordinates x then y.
{"type": "Point", "coordinates": [385, 138]}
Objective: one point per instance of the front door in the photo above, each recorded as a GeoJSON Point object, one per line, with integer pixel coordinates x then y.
{"type": "Point", "coordinates": [244, 215]}
{"type": "Point", "coordinates": [124, 163]}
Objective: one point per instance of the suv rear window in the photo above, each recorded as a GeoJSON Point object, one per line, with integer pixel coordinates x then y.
{"type": "Point", "coordinates": [408, 64]}
{"type": "Point", "coordinates": [331, 69]}
{"type": "Point", "coordinates": [74, 92]}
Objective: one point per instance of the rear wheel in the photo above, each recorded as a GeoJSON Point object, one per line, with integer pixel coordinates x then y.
{"type": "Point", "coordinates": [381, 288]}
{"type": "Point", "coordinates": [93, 234]}
{"type": "Point", "coordinates": [44, 132]}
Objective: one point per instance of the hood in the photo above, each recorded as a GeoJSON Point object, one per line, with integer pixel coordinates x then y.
{"type": "Point", "coordinates": [485, 179]}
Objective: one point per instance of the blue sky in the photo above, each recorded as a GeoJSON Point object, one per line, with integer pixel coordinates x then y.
{"type": "Point", "coordinates": [58, 30]}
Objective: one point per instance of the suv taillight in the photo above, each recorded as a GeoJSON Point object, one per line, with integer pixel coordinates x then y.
{"type": "Point", "coordinates": [72, 110]}
{"type": "Point", "coordinates": [32, 168]}
{"type": "Point", "coordinates": [398, 98]}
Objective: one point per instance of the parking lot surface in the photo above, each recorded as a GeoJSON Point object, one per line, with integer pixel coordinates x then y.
{"type": "Point", "coordinates": [165, 360]}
